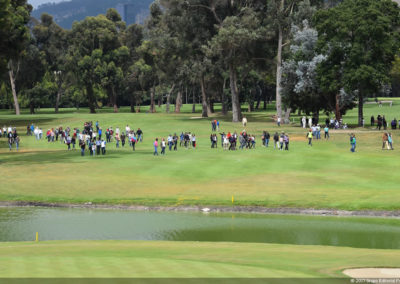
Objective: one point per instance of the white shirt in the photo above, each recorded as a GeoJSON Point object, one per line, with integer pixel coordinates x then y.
{"type": "Point", "coordinates": [103, 144]}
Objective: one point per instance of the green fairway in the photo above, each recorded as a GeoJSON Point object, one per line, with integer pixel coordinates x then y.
{"type": "Point", "coordinates": [183, 259]}
{"type": "Point", "coordinates": [326, 175]}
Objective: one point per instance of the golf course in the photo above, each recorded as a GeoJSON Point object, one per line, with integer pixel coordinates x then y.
{"type": "Point", "coordinates": [325, 176]}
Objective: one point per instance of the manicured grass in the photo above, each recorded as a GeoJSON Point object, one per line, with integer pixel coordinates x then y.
{"type": "Point", "coordinates": [327, 175]}
{"type": "Point", "coordinates": [183, 259]}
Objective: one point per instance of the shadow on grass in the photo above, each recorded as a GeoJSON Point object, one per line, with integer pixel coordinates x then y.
{"type": "Point", "coordinates": [251, 117]}
{"type": "Point", "coordinates": [63, 156]}
{"type": "Point", "coordinates": [24, 122]}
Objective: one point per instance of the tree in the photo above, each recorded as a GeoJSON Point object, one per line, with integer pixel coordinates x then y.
{"type": "Point", "coordinates": [132, 39]}
{"type": "Point", "coordinates": [93, 42]}
{"type": "Point", "coordinates": [32, 69]}
{"type": "Point", "coordinates": [52, 40]}
{"type": "Point", "coordinates": [300, 88]}
{"type": "Point", "coordinates": [282, 14]}
{"type": "Point", "coordinates": [233, 43]}
{"type": "Point", "coordinates": [360, 38]}
{"type": "Point", "coordinates": [14, 34]}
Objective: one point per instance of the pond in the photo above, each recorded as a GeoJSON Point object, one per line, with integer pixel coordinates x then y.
{"type": "Point", "coordinates": [21, 224]}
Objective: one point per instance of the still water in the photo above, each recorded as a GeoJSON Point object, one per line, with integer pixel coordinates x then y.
{"type": "Point", "coordinates": [21, 224]}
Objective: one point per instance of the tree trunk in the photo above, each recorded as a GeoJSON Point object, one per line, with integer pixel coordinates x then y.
{"type": "Point", "coordinates": [360, 108]}
{"type": "Point", "coordinates": [223, 99]}
{"type": "Point", "coordinates": [13, 89]}
{"type": "Point", "coordinates": [186, 95]}
{"type": "Point", "coordinates": [114, 98]}
{"type": "Point", "coordinates": [32, 108]}
{"type": "Point", "coordinates": [194, 101]}
{"type": "Point", "coordinates": [209, 108]}
{"type": "Point", "coordinates": [250, 108]}
{"type": "Point", "coordinates": [178, 103]}
{"type": "Point", "coordinates": [258, 103]}
{"type": "Point", "coordinates": [90, 95]}
{"type": "Point", "coordinates": [159, 100]}
{"type": "Point", "coordinates": [287, 116]}
{"type": "Point", "coordinates": [265, 99]}
{"type": "Point", "coordinates": [132, 103]}
{"type": "Point", "coordinates": [204, 112]}
{"type": "Point", "coordinates": [236, 111]}
{"type": "Point", "coordinates": [338, 115]}
{"type": "Point", "coordinates": [59, 94]}
{"type": "Point", "coordinates": [169, 98]}
{"type": "Point", "coordinates": [279, 73]}
{"type": "Point", "coordinates": [152, 94]}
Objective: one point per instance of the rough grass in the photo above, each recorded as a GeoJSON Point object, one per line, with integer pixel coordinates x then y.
{"type": "Point", "coordinates": [324, 176]}
{"type": "Point", "coordinates": [119, 259]}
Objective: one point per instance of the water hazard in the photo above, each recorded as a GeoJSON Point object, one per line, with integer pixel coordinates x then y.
{"type": "Point", "coordinates": [21, 224]}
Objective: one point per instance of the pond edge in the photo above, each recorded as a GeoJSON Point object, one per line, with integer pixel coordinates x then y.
{"type": "Point", "coordinates": [213, 209]}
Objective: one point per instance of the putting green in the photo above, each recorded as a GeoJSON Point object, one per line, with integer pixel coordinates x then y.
{"type": "Point", "coordinates": [183, 259]}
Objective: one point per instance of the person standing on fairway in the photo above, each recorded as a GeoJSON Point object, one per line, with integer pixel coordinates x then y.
{"type": "Point", "coordinates": [390, 141]}
{"type": "Point", "coordinates": [353, 142]}
{"type": "Point", "coordinates": [384, 141]}
{"type": "Point", "coordinates": [170, 142]}
{"type": "Point", "coordinates": [163, 144]}
{"type": "Point", "coordinates": [98, 146]}
{"type": "Point", "coordinates": [103, 147]}
{"type": "Point", "coordinates": [244, 121]}
{"type": "Point", "coordinates": [133, 141]}
{"type": "Point", "coordinates": [310, 137]}
{"type": "Point", "coordinates": [267, 136]}
{"type": "Point", "coordinates": [175, 140]}
{"type": "Point", "coordinates": [194, 141]}
{"type": "Point", "coordinates": [17, 140]}
{"type": "Point", "coordinates": [123, 137]}
{"type": "Point", "coordinates": [83, 145]}
{"type": "Point", "coordinates": [139, 134]}
{"type": "Point", "coordinates": [276, 140]}
{"type": "Point", "coordinates": [326, 130]}
{"type": "Point", "coordinates": [286, 141]}
{"type": "Point", "coordinates": [155, 144]}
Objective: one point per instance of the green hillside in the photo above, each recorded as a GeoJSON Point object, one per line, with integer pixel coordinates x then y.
{"type": "Point", "coordinates": [65, 13]}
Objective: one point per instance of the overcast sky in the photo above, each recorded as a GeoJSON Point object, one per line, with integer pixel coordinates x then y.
{"type": "Point", "coordinates": [36, 3]}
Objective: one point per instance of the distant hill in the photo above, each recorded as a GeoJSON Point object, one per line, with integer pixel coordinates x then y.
{"type": "Point", "coordinates": [65, 13]}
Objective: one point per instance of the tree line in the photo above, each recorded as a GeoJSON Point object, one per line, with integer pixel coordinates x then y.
{"type": "Point", "coordinates": [308, 56]}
